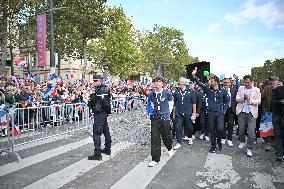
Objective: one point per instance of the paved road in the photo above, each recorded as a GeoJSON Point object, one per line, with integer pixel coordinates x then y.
{"type": "Point", "coordinates": [62, 163]}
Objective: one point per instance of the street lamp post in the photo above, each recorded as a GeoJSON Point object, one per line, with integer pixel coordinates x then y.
{"type": "Point", "coordinates": [52, 55]}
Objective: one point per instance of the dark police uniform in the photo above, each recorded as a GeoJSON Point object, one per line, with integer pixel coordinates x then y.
{"type": "Point", "coordinates": [100, 104]}
{"type": "Point", "coordinates": [159, 111]}
{"type": "Point", "coordinates": [183, 101]}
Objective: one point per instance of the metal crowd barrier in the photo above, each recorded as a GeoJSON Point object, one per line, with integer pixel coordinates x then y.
{"type": "Point", "coordinates": [7, 144]}
{"type": "Point", "coordinates": [37, 123]}
{"type": "Point", "coordinates": [120, 104]}
{"type": "Point", "coordinates": [32, 124]}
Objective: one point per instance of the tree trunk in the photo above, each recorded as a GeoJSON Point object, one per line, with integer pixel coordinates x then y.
{"type": "Point", "coordinates": [4, 36]}
{"type": "Point", "coordinates": [59, 61]}
{"type": "Point", "coordinates": [85, 57]}
{"type": "Point", "coordinates": [12, 60]}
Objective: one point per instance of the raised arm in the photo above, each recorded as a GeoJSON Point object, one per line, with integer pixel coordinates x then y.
{"type": "Point", "coordinates": [196, 80]}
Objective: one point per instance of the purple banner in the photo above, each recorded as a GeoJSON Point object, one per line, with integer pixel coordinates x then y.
{"type": "Point", "coordinates": [41, 40]}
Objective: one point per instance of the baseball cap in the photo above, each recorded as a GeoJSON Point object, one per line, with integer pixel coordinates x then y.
{"type": "Point", "coordinates": [274, 78]}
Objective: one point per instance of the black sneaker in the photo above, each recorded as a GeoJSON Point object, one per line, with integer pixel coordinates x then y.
{"type": "Point", "coordinates": [106, 151]}
{"type": "Point", "coordinates": [219, 147]}
{"type": "Point", "coordinates": [212, 150]}
{"type": "Point", "coordinates": [95, 157]}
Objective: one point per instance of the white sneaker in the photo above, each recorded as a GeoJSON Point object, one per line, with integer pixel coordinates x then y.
{"type": "Point", "coordinates": [185, 138]}
{"type": "Point", "coordinates": [249, 153]}
{"type": "Point", "coordinates": [223, 141]}
{"type": "Point", "coordinates": [171, 152]}
{"type": "Point", "coordinates": [242, 145]}
{"type": "Point", "coordinates": [193, 137]}
{"type": "Point", "coordinates": [230, 143]}
{"type": "Point", "coordinates": [152, 164]}
{"type": "Point", "coordinates": [190, 141]}
{"type": "Point", "coordinates": [201, 137]}
{"type": "Point", "coordinates": [207, 138]}
{"type": "Point", "coordinates": [259, 140]}
{"type": "Point", "coordinates": [177, 146]}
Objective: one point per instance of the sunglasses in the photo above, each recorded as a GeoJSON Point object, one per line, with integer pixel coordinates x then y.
{"type": "Point", "coordinates": [95, 80]}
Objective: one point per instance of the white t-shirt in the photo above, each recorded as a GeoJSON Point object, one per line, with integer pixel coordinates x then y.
{"type": "Point", "coordinates": [246, 108]}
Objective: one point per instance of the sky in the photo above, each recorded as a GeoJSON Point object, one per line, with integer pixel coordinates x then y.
{"type": "Point", "coordinates": [233, 35]}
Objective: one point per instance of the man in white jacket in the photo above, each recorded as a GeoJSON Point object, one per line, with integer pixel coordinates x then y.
{"type": "Point", "coordinates": [248, 99]}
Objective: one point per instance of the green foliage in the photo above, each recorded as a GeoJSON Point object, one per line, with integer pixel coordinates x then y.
{"type": "Point", "coordinates": [270, 68]}
{"type": "Point", "coordinates": [166, 46]}
{"type": "Point", "coordinates": [11, 11]}
{"type": "Point", "coordinates": [77, 23]}
{"type": "Point", "coordinates": [118, 47]}
{"type": "Point", "coordinates": [111, 36]}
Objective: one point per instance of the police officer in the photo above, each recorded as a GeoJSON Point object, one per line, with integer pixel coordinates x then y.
{"type": "Point", "coordinates": [160, 107]}
{"type": "Point", "coordinates": [99, 102]}
{"type": "Point", "coordinates": [184, 111]}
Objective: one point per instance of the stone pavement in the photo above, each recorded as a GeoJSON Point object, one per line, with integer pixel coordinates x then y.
{"type": "Point", "coordinates": [62, 163]}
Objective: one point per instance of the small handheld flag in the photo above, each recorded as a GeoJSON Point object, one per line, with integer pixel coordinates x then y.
{"type": "Point", "coordinates": [21, 62]}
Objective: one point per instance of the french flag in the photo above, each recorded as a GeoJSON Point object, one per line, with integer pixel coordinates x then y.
{"type": "Point", "coordinates": [31, 77]}
{"type": "Point", "coordinates": [3, 115]}
{"type": "Point", "coordinates": [4, 107]}
{"type": "Point", "coordinates": [266, 127]}
{"type": "Point", "coordinates": [21, 62]}
{"type": "Point", "coordinates": [54, 90]}
{"type": "Point", "coordinates": [3, 119]}
{"type": "Point", "coordinates": [48, 91]}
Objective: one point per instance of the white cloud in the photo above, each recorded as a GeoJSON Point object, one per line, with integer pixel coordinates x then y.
{"type": "Point", "coordinates": [268, 52]}
{"type": "Point", "coordinates": [278, 43]}
{"type": "Point", "coordinates": [270, 13]}
{"type": "Point", "coordinates": [229, 65]}
{"type": "Point", "coordinates": [213, 28]}
{"type": "Point", "coordinates": [232, 55]}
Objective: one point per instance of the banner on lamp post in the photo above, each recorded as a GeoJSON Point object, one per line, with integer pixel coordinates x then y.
{"type": "Point", "coordinates": [41, 39]}
{"type": "Point", "coordinates": [160, 70]}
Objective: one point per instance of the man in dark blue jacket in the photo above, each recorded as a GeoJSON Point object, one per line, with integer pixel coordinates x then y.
{"type": "Point", "coordinates": [230, 114]}
{"type": "Point", "coordinates": [160, 107]}
{"type": "Point", "coordinates": [184, 110]}
{"type": "Point", "coordinates": [217, 106]}
{"type": "Point", "coordinates": [100, 104]}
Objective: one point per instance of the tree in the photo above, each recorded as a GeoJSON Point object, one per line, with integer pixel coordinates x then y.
{"type": "Point", "coordinates": [77, 22]}
{"type": "Point", "coordinates": [9, 11]}
{"type": "Point", "coordinates": [119, 46]}
{"type": "Point", "coordinates": [88, 20]}
{"type": "Point", "coordinates": [270, 68]}
{"type": "Point", "coordinates": [4, 38]}
{"type": "Point", "coordinates": [165, 46]}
